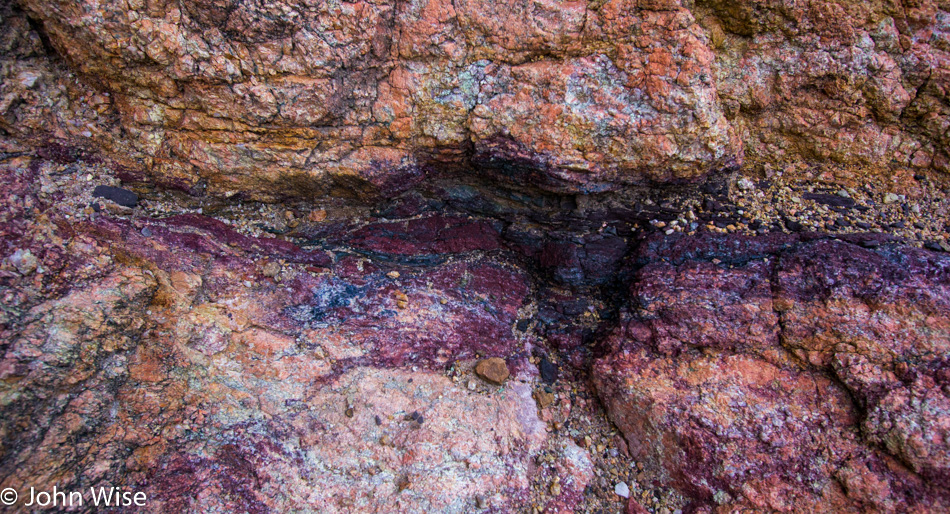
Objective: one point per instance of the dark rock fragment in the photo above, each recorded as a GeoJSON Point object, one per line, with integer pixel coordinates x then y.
{"type": "Point", "coordinates": [548, 370]}
{"type": "Point", "coordinates": [120, 196]}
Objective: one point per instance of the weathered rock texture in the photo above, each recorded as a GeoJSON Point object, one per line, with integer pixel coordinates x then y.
{"type": "Point", "coordinates": [291, 98]}
{"type": "Point", "coordinates": [162, 355]}
{"type": "Point", "coordinates": [171, 346]}
{"type": "Point", "coordinates": [221, 371]}
{"type": "Point", "coordinates": [786, 373]}
{"type": "Point", "coordinates": [859, 83]}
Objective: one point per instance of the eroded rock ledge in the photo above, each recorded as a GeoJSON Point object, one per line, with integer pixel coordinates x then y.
{"type": "Point", "coordinates": [368, 98]}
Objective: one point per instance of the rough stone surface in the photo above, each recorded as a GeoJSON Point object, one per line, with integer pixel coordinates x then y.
{"type": "Point", "coordinates": [533, 185]}
{"type": "Point", "coordinates": [368, 98]}
{"type": "Point", "coordinates": [210, 361]}
{"type": "Point", "coordinates": [852, 82]}
{"type": "Point", "coordinates": [182, 364]}
{"type": "Point", "coordinates": [786, 373]}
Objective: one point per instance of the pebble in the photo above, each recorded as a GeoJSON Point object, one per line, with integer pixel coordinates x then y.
{"type": "Point", "coordinates": [745, 184]}
{"type": "Point", "coordinates": [890, 198]}
{"type": "Point", "coordinates": [24, 261]}
{"type": "Point", "coordinates": [271, 269]}
{"type": "Point", "coordinates": [418, 418]}
{"type": "Point", "coordinates": [120, 196]}
{"type": "Point", "coordinates": [543, 398]}
{"type": "Point", "coordinates": [402, 301]}
{"type": "Point", "coordinates": [317, 215]}
{"type": "Point", "coordinates": [493, 370]}
{"type": "Point", "coordinates": [548, 371]}
{"type": "Point", "coordinates": [622, 490]}
{"type": "Point", "coordinates": [393, 274]}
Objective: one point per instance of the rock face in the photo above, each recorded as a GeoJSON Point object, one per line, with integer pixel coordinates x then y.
{"type": "Point", "coordinates": [851, 82]}
{"type": "Point", "coordinates": [787, 373]}
{"type": "Point", "coordinates": [159, 355]}
{"type": "Point", "coordinates": [367, 98]}
{"type": "Point", "coordinates": [464, 189]}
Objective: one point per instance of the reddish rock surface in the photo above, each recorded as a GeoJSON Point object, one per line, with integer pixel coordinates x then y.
{"type": "Point", "coordinates": [786, 373]}
{"type": "Point", "coordinates": [156, 354]}
{"type": "Point", "coordinates": [539, 184]}
{"type": "Point", "coordinates": [369, 98]}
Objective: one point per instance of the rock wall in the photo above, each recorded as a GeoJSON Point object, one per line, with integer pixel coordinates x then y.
{"type": "Point", "coordinates": [282, 359]}
{"type": "Point", "coordinates": [498, 267]}
{"type": "Point", "coordinates": [786, 373]}
{"type": "Point", "coordinates": [271, 99]}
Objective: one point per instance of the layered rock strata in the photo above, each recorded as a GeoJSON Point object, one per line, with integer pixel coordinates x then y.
{"type": "Point", "coordinates": [506, 272]}
{"type": "Point", "coordinates": [334, 365]}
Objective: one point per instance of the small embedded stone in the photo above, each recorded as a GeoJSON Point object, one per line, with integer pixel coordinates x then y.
{"type": "Point", "coordinates": [317, 215]}
{"type": "Point", "coordinates": [622, 490]}
{"type": "Point", "coordinates": [543, 398]}
{"type": "Point", "coordinates": [402, 301]}
{"type": "Point", "coordinates": [548, 371]}
{"type": "Point", "coordinates": [271, 269]}
{"type": "Point", "coordinates": [393, 274]}
{"type": "Point", "coordinates": [120, 196]}
{"type": "Point", "coordinates": [24, 261]}
{"type": "Point", "coordinates": [493, 370]}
